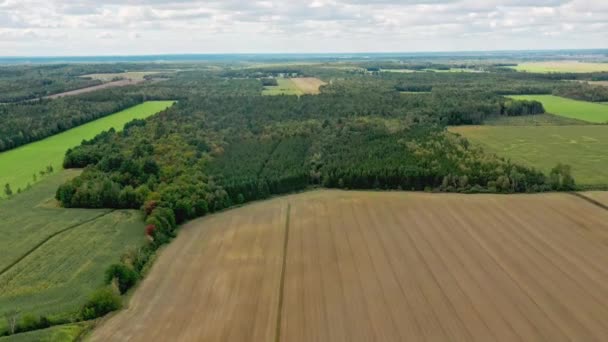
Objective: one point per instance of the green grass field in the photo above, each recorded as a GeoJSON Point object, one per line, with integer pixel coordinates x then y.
{"type": "Point", "coordinates": [18, 166]}
{"type": "Point", "coordinates": [533, 120]}
{"type": "Point", "coordinates": [53, 258]}
{"type": "Point", "coordinates": [60, 333]}
{"type": "Point", "coordinates": [285, 87]}
{"type": "Point", "coordinates": [582, 147]}
{"type": "Point", "coordinates": [580, 110]}
{"type": "Point", "coordinates": [561, 66]}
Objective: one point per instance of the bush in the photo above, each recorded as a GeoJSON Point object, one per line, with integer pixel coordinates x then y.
{"type": "Point", "coordinates": [125, 276]}
{"type": "Point", "coordinates": [102, 301]}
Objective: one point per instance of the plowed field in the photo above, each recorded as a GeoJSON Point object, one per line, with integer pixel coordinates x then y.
{"type": "Point", "coordinates": [365, 266]}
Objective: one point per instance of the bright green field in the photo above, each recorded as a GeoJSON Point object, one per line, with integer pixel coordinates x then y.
{"type": "Point", "coordinates": [580, 110]}
{"type": "Point", "coordinates": [582, 147]}
{"type": "Point", "coordinates": [53, 258]}
{"type": "Point", "coordinates": [561, 66]}
{"type": "Point", "coordinates": [18, 166]}
{"type": "Point", "coordinates": [61, 333]}
{"type": "Point", "coordinates": [285, 87]}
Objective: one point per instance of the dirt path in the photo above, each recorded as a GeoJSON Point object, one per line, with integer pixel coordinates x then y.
{"type": "Point", "coordinates": [365, 266]}
{"type": "Point", "coordinates": [120, 83]}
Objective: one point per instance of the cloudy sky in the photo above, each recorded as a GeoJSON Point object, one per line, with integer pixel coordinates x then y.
{"type": "Point", "coordinates": [89, 27]}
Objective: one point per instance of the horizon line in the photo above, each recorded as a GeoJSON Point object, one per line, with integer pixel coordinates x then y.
{"type": "Point", "coordinates": [298, 53]}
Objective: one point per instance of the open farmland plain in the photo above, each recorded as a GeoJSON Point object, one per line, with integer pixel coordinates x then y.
{"type": "Point", "coordinates": [365, 266]}
{"type": "Point", "coordinates": [561, 66]}
{"type": "Point", "coordinates": [543, 147]}
{"type": "Point", "coordinates": [52, 258]}
{"type": "Point", "coordinates": [574, 109]}
{"type": "Point", "coordinates": [18, 166]}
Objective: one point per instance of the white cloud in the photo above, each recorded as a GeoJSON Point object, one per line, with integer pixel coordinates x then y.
{"type": "Point", "coordinates": [46, 27]}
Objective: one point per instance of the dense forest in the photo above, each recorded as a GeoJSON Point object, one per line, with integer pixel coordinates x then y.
{"type": "Point", "coordinates": [224, 144]}
{"type": "Point", "coordinates": [443, 98]}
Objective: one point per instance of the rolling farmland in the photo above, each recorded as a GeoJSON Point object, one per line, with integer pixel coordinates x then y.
{"type": "Point", "coordinates": [365, 266]}
{"type": "Point", "coordinates": [53, 258]}
{"type": "Point", "coordinates": [543, 147]}
{"type": "Point", "coordinates": [574, 109]}
{"type": "Point", "coordinates": [18, 166]}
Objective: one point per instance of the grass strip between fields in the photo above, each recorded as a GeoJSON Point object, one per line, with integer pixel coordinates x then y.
{"type": "Point", "coordinates": [48, 238]}
{"type": "Point", "coordinates": [277, 336]}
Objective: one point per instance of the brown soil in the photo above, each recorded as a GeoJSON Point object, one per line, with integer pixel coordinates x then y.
{"type": "Point", "coordinates": [366, 266]}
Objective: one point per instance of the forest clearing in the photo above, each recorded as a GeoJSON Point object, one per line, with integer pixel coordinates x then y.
{"type": "Point", "coordinates": [370, 266]}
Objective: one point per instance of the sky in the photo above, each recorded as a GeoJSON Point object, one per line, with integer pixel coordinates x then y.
{"type": "Point", "coordinates": [134, 27]}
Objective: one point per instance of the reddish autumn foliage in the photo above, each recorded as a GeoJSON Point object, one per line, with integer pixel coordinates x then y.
{"type": "Point", "coordinates": [150, 229]}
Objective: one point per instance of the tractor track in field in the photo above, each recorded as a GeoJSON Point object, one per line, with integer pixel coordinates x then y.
{"type": "Point", "coordinates": [590, 200]}
{"type": "Point", "coordinates": [277, 337]}
{"type": "Point", "coordinates": [48, 238]}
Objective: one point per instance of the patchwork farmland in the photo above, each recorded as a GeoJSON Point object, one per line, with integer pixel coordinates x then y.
{"type": "Point", "coordinates": [366, 266]}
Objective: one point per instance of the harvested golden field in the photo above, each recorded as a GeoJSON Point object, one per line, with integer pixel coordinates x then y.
{"type": "Point", "coordinates": [308, 85]}
{"type": "Point", "coordinates": [370, 266]}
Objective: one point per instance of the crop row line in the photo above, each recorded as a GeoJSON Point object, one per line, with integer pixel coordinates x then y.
{"type": "Point", "coordinates": [590, 200]}
{"type": "Point", "coordinates": [48, 238]}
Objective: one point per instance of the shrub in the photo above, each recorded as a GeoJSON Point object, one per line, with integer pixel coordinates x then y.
{"type": "Point", "coordinates": [102, 301]}
{"type": "Point", "coordinates": [150, 229]}
{"type": "Point", "coordinates": [125, 276]}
